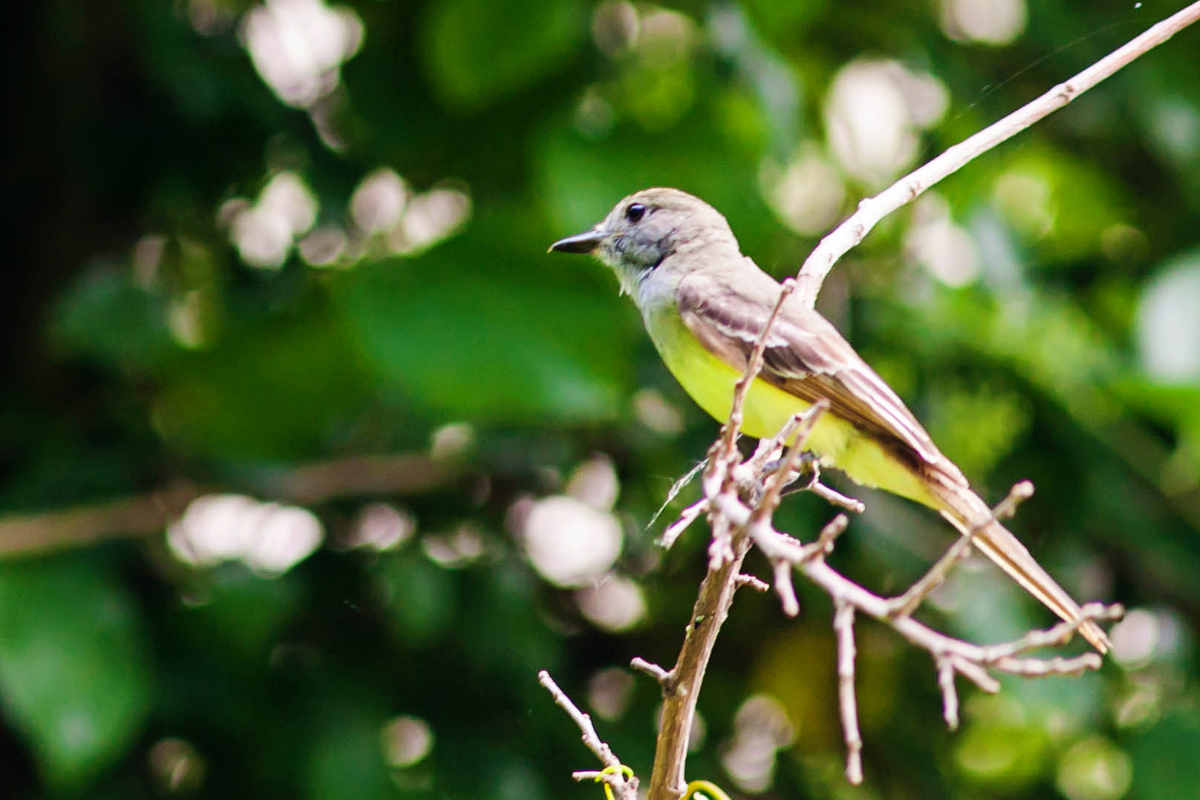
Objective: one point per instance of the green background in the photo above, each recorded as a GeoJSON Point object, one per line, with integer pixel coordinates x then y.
{"type": "Point", "coordinates": [146, 349]}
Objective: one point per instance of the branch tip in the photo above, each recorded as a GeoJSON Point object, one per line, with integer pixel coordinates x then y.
{"type": "Point", "coordinates": [837, 498]}
{"type": "Point", "coordinates": [653, 670]}
{"type": "Point", "coordinates": [945, 679]}
{"type": "Point", "coordinates": [785, 589]}
{"type": "Point", "coordinates": [753, 582]}
{"type": "Point", "coordinates": [843, 625]}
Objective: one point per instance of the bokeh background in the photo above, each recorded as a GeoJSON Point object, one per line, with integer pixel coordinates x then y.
{"type": "Point", "coordinates": [312, 456]}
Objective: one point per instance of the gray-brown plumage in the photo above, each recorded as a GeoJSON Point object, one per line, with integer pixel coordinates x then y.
{"type": "Point", "coordinates": [704, 305]}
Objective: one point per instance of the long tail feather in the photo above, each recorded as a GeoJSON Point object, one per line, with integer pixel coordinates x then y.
{"type": "Point", "coordinates": [967, 512]}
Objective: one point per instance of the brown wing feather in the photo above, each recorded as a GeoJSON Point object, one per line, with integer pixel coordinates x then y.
{"type": "Point", "coordinates": [806, 356]}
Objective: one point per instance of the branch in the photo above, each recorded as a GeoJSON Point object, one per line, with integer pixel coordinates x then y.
{"type": "Point", "coordinates": [732, 427]}
{"type": "Point", "coordinates": [625, 788]}
{"type": "Point", "coordinates": [740, 502]}
{"type": "Point", "coordinates": [870, 211]}
{"type": "Point", "coordinates": [907, 603]}
{"type": "Point", "coordinates": [681, 685]}
{"type": "Point", "coordinates": [804, 422]}
{"type": "Point", "coordinates": [843, 625]}
{"type": "Point", "coordinates": [950, 655]}
{"type": "Point", "coordinates": [148, 514]}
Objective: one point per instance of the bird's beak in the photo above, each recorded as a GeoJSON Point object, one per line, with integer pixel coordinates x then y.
{"type": "Point", "coordinates": [585, 242]}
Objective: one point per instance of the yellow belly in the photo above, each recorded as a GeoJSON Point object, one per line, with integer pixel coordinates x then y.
{"type": "Point", "coordinates": [710, 382]}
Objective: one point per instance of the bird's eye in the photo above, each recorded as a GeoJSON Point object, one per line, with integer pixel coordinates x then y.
{"type": "Point", "coordinates": [635, 212]}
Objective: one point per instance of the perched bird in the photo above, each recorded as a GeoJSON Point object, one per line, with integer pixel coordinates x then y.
{"type": "Point", "coordinates": [705, 305]}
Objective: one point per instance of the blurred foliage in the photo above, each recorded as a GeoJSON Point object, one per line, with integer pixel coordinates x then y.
{"type": "Point", "coordinates": [250, 237]}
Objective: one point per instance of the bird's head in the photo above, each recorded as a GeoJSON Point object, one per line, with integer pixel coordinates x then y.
{"type": "Point", "coordinates": [644, 231]}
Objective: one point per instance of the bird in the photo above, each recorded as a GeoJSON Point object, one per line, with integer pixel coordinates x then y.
{"type": "Point", "coordinates": [705, 306]}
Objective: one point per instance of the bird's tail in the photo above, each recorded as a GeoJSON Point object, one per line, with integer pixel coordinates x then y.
{"type": "Point", "coordinates": [967, 512]}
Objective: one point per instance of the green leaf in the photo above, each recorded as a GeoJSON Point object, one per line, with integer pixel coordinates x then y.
{"type": "Point", "coordinates": [244, 614]}
{"type": "Point", "coordinates": [1057, 203]}
{"type": "Point", "coordinates": [1168, 404]}
{"type": "Point", "coordinates": [345, 759]}
{"type": "Point", "coordinates": [419, 596]}
{"type": "Point", "coordinates": [273, 390]}
{"type": "Point", "coordinates": [1164, 760]}
{"type": "Point", "coordinates": [73, 665]}
{"type": "Point", "coordinates": [477, 51]}
{"type": "Point", "coordinates": [106, 318]}
{"type": "Point", "coordinates": [488, 347]}
{"type": "Point", "coordinates": [581, 179]}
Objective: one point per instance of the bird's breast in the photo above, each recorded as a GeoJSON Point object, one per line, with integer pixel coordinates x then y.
{"type": "Point", "coordinates": [710, 382]}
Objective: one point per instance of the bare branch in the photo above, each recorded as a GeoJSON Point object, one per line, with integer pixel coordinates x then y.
{"type": "Point", "coordinates": [870, 211]}
{"type": "Point", "coordinates": [826, 539]}
{"type": "Point", "coordinates": [945, 679]}
{"type": "Point", "coordinates": [1019, 493]}
{"type": "Point", "coordinates": [1057, 635]}
{"type": "Point", "coordinates": [768, 448]}
{"type": "Point", "coordinates": [729, 485]}
{"type": "Point", "coordinates": [804, 424]}
{"type": "Point", "coordinates": [720, 549]}
{"type": "Point", "coordinates": [653, 670]}
{"type": "Point", "coordinates": [149, 514]}
{"type": "Point", "coordinates": [590, 738]}
{"type": "Point", "coordinates": [729, 432]}
{"type": "Point", "coordinates": [971, 660]}
{"type": "Point", "coordinates": [686, 518]}
{"type": "Point", "coordinates": [784, 588]}
{"type": "Point", "coordinates": [626, 789]}
{"type": "Point", "coordinates": [1039, 668]}
{"type": "Point", "coordinates": [907, 603]}
{"type": "Point", "coordinates": [838, 586]}
{"type": "Point", "coordinates": [973, 672]}
{"type": "Point", "coordinates": [837, 498]}
{"type": "Point", "coordinates": [843, 625]}
{"type": "Point", "coordinates": [753, 582]}
{"type": "Point", "coordinates": [682, 690]}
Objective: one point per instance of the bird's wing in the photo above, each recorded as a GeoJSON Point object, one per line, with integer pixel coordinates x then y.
{"type": "Point", "coordinates": [805, 356]}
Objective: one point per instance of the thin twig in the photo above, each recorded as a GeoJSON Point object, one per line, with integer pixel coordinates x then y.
{"type": "Point", "coordinates": [590, 738]}
{"type": "Point", "coordinates": [840, 587]}
{"type": "Point", "coordinates": [685, 519]}
{"type": "Point", "coordinates": [626, 789]}
{"type": "Point", "coordinates": [767, 448]}
{"type": "Point", "coordinates": [720, 549]}
{"type": "Point", "coordinates": [945, 679]}
{"type": "Point", "coordinates": [907, 603]}
{"type": "Point", "coordinates": [843, 625]}
{"type": "Point", "coordinates": [755, 583]}
{"type": "Point", "coordinates": [1057, 635]}
{"type": "Point", "coordinates": [653, 670]}
{"type": "Point", "coordinates": [804, 424]}
{"type": "Point", "coordinates": [973, 672]}
{"type": "Point", "coordinates": [785, 589]}
{"type": "Point", "coordinates": [870, 211]}
{"type": "Point", "coordinates": [836, 498]}
{"type": "Point", "coordinates": [732, 427]}
{"type": "Point", "coordinates": [1040, 668]}
{"type": "Point", "coordinates": [1019, 493]}
{"type": "Point", "coordinates": [825, 541]}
